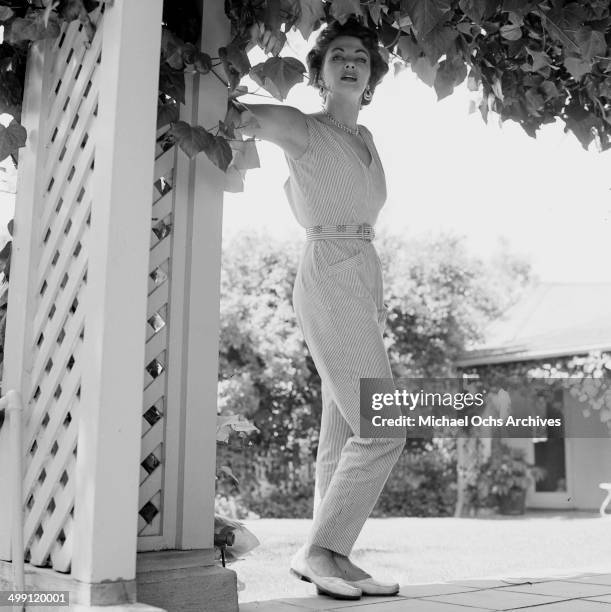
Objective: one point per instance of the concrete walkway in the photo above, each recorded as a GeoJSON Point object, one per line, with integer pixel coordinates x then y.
{"type": "Point", "coordinates": [580, 593]}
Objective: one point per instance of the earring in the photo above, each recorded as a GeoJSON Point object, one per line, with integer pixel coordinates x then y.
{"type": "Point", "coordinates": [367, 94]}
{"type": "Point", "coordinates": [322, 90]}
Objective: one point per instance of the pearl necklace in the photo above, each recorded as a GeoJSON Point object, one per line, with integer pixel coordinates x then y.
{"type": "Point", "coordinates": [353, 131]}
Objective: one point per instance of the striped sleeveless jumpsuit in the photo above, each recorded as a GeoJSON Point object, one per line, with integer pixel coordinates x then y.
{"type": "Point", "coordinates": [338, 303]}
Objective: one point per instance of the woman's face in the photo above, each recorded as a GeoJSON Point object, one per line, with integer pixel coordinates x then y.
{"type": "Point", "coordinates": [346, 66]}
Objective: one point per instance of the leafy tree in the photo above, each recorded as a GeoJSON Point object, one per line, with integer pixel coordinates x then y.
{"type": "Point", "coordinates": [265, 373]}
{"type": "Point", "coordinates": [440, 298]}
{"type": "Point", "coordinates": [532, 60]}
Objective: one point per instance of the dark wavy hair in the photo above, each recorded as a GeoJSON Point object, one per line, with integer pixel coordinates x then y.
{"type": "Point", "coordinates": [352, 27]}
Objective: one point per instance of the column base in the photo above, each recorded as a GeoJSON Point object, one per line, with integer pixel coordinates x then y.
{"type": "Point", "coordinates": [108, 593]}
{"type": "Point", "coordinates": [186, 581]}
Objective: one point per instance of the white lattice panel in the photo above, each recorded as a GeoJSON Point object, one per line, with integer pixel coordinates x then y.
{"type": "Point", "coordinates": [57, 331]}
{"type": "Point", "coordinates": [154, 409]}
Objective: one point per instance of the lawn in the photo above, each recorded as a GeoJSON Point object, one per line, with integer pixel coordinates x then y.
{"type": "Point", "coordinates": [425, 550]}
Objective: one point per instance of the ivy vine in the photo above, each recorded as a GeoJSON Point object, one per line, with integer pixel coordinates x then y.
{"type": "Point", "coordinates": [532, 61]}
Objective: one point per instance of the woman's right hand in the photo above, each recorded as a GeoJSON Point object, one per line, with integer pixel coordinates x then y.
{"type": "Point", "coordinates": [268, 40]}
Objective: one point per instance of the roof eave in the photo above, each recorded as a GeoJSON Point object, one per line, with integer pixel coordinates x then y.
{"type": "Point", "coordinates": [513, 354]}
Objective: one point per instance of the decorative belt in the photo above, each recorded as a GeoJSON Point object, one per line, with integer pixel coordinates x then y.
{"type": "Point", "coordinates": [364, 231]}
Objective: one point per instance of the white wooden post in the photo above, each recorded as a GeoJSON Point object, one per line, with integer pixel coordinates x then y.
{"type": "Point", "coordinates": [204, 210]}
{"type": "Point", "coordinates": [188, 577]}
{"type": "Point", "coordinates": [107, 472]}
{"type": "Point", "coordinates": [23, 265]}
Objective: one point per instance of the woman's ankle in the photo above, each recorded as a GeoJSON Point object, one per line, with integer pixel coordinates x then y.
{"type": "Point", "coordinates": [315, 550]}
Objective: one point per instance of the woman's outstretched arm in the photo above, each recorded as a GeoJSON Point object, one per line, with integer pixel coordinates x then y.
{"type": "Point", "coordinates": [285, 126]}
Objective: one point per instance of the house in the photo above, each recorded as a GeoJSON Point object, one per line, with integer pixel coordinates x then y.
{"type": "Point", "coordinates": [551, 323]}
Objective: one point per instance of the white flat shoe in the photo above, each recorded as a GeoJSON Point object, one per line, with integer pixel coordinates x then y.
{"type": "Point", "coordinates": [332, 586]}
{"type": "Point", "coordinates": [370, 586]}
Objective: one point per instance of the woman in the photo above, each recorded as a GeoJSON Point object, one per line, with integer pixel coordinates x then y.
{"type": "Point", "coordinates": [336, 189]}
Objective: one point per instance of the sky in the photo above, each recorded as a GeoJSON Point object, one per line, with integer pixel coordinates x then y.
{"type": "Point", "coordinates": [447, 170]}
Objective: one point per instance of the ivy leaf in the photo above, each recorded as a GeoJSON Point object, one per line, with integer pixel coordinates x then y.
{"type": "Point", "coordinates": [191, 139]}
{"type": "Point", "coordinates": [32, 27]}
{"type": "Point", "coordinates": [426, 70]}
{"type": "Point", "coordinates": [484, 107]}
{"type": "Point", "coordinates": [245, 155]}
{"type": "Point", "coordinates": [580, 122]}
{"type": "Point", "coordinates": [474, 9]}
{"type": "Point", "coordinates": [450, 73]}
{"type": "Point", "coordinates": [203, 63]}
{"type": "Point", "coordinates": [241, 90]}
{"type": "Point", "coordinates": [540, 59]}
{"type": "Point", "coordinates": [11, 93]}
{"type": "Point", "coordinates": [219, 152]}
{"type": "Point", "coordinates": [232, 116]}
{"type": "Point", "coordinates": [519, 7]}
{"type": "Point", "coordinates": [278, 75]}
{"type": "Point", "coordinates": [6, 13]}
{"type": "Point", "coordinates": [342, 9]}
{"type": "Point", "coordinates": [407, 49]}
{"type": "Point", "coordinates": [274, 13]}
{"type": "Point", "coordinates": [438, 41]}
{"type": "Point", "coordinates": [189, 53]}
{"type": "Point", "coordinates": [11, 138]}
{"type": "Point", "coordinates": [312, 13]}
{"type": "Point", "coordinates": [464, 28]}
{"type": "Point", "coordinates": [172, 49]}
{"type": "Point", "coordinates": [474, 80]}
{"type": "Point", "coordinates": [172, 82]}
{"type": "Point", "coordinates": [235, 58]}
{"type": "Point", "coordinates": [225, 424]}
{"type": "Point", "coordinates": [511, 32]}
{"type": "Point", "coordinates": [194, 139]}
{"type": "Point", "coordinates": [79, 9]}
{"type": "Point", "coordinates": [426, 15]}
{"type": "Point", "coordinates": [76, 9]}
{"type": "Point", "coordinates": [375, 11]}
{"type": "Point", "coordinates": [550, 90]}
{"type": "Point", "coordinates": [534, 102]}
{"type": "Point", "coordinates": [51, 6]}
{"type": "Point", "coordinates": [233, 76]}
{"type": "Point", "coordinates": [272, 17]}
{"type": "Point", "coordinates": [605, 88]}
{"type": "Point", "coordinates": [497, 88]}
{"type": "Point", "coordinates": [5, 260]}
{"type": "Point", "coordinates": [591, 43]}
{"type": "Point", "coordinates": [167, 113]}
{"type": "Point", "coordinates": [388, 34]}
{"type": "Point", "coordinates": [234, 180]}
{"type": "Point", "coordinates": [226, 130]}
{"type": "Point", "coordinates": [577, 66]}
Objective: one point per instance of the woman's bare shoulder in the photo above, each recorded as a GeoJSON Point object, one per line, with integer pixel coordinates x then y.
{"type": "Point", "coordinates": [365, 129]}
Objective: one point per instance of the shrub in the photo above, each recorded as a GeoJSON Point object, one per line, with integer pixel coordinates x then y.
{"type": "Point", "coordinates": [278, 502]}
{"type": "Point", "coordinates": [422, 483]}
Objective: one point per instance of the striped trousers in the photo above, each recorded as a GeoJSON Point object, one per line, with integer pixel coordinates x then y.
{"type": "Point", "coordinates": [339, 306]}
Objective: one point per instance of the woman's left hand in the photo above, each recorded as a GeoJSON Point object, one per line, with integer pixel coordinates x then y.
{"type": "Point", "coordinates": [269, 40]}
